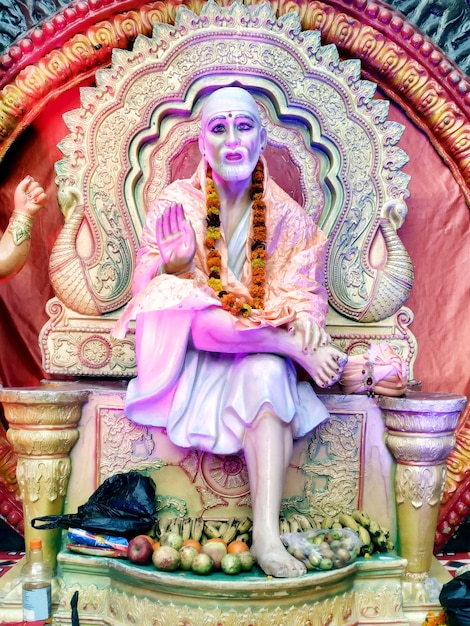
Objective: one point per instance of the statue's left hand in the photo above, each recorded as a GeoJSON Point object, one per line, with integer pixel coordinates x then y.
{"type": "Point", "coordinates": [312, 335]}
{"type": "Point", "coordinates": [175, 239]}
{"type": "Point", "coordinates": [29, 196]}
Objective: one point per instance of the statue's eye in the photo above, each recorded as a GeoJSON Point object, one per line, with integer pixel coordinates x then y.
{"type": "Point", "coordinates": [245, 126]}
{"type": "Point", "coordinates": [218, 129]}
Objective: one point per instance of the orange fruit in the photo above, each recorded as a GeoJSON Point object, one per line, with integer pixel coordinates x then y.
{"type": "Point", "coordinates": [156, 545]}
{"type": "Point", "coordinates": [193, 542]}
{"type": "Point", "coordinates": [217, 540]}
{"type": "Point", "coordinates": [237, 546]}
{"type": "Point", "coordinates": [147, 537]}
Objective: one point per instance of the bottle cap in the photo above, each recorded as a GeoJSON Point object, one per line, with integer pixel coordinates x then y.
{"type": "Point", "coordinates": [35, 544]}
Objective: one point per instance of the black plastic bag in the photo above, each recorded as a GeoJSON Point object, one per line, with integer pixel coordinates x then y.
{"type": "Point", "coordinates": [123, 505]}
{"type": "Point", "coordinates": [455, 600]}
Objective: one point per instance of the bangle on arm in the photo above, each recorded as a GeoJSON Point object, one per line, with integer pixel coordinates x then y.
{"type": "Point", "coordinates": [20, 227]}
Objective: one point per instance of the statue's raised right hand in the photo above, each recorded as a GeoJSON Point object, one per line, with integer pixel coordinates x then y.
{"type": "Point", "coordinates": [175, 239]}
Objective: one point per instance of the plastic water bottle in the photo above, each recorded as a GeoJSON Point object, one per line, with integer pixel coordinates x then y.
{"type": "Point", "coordinates": [37, 578]}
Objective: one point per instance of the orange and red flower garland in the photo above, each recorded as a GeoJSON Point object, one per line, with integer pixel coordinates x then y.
{"type": "Point", "coordinates": [230, 302]}
{"type": "Point", "coordinates": [435, 620]}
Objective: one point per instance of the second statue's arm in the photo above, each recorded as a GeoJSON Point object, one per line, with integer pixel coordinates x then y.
{"type": "Point", "coordinates": [15, 242]}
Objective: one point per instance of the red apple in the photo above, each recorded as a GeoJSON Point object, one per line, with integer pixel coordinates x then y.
{"type": "Point", "coordinates": [140, 550]}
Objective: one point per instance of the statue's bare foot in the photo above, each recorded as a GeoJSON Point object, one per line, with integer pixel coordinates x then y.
{"type": "Point", "coordinates": [274, 560]}
{"type": "Point", "coordinates": [325, 365]}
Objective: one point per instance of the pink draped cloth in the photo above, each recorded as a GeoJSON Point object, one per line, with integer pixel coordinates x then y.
{"type": "Point", "coordinates": [294, 275]}
{"type": "Point", "coordinates": [217, 396]}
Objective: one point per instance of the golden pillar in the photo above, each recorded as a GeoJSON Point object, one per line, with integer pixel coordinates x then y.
{"type": "Point", "coordinates": [420, 435]}
{"type": "Point", "coordinates": [42, 430]}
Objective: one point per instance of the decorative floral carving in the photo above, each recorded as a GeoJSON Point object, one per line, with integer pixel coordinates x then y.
{"type": "Point", "coordinates": [123, 444]}
{"type": "Point", "coordinates": [341, 435]}
{"type": "Point", "coordinates": [379, 604]}
{"type": "Point", "coordinates": [210, 499]}
{"type": "Point", "coordinates": [428, 422]}
{"type": "Point", "coordinates": [38, 442]}
{"type": "Point", "coordinates": [420, 485]}
{"type": "Point", "coordinates": [190, 464]}
{"type": "Point", "coordinates": [64, 414]}
{"type": "Point", "coordinates": [80, 350]}
{"type": "Point", "coordinates": [8, 460]}
{"type": "Point", "coordinates": [43, 477]}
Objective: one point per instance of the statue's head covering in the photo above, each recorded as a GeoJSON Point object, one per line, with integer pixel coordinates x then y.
{"type": "Point", "coordinates": [227, 99]}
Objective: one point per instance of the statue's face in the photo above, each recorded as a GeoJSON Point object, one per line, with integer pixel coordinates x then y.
{"type": "Point", "coordinates": [232, 137]}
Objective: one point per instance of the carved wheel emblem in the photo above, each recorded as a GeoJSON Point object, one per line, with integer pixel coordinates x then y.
{"type": "Point", "coordinates": [225, 475]}
{"type": "Point", "coordinates": [95, 352]}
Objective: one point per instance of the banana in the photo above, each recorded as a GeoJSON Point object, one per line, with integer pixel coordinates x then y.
{"type": "Point", "coordinates": [348, 520]}
{"type": "Point", "coordinates": [186, 528]}
{"type": "Point", "coordinates": [245, 525]}
{"type": "Point", "coordinates": [385, 532]}
{"type": "Point", "coordinates": [308, 566]}
{"type": "Point", "coordinates": [381, 541]}
{"type": "Point", "coordinates": [245, 537]}
{"type": "Point", "coordinates": [175, 525]}
{"type": "Point", "coordinates": [361, 517]}
{"type": "Point", "coordinates": [284, 526]}
{"type": "Point", "coordinates": [162, 525]}
{"type": "Point", "coordinates": [231, 531]}
{"type": "Point", "coordinates": [390, 547]}
{"type": "Point", "coordinates": [327, 522]}
{"type": "Point", "coordinates": [223, 528]}
{"type": "Point", "coordinates": [367, 549]}
{"type": "Point", "coordinates": [197, 528]}
{"type": "Point", "coordinates": [336, 525]}
{"type": "Point", "coordinates": [372, 525]}
{"type": "Point", "coordinates": [364, 535]}
{"type": "Point", "coordinates": [230, 534]}
{"type": "Point", "coordinates": [293, 524]}
{"type": "Point", "coordinates": [154, 531]}
{"type": "Point", "coordinates": [312, 521]}
{"type": "Point", "coordinates": [374, 528]}
{"type": "Point", "coordinates": [302, 520]}
{"type": "Point", "coordinates": [211, 529]}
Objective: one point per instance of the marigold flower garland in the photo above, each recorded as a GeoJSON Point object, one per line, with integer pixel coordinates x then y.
{"type": "Point", "coordinates": [435, 620]}
{"type": "Point", "coordinates": [230, 302]}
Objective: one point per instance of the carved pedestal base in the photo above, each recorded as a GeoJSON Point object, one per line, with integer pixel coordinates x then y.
{"type": "Point", "coordinates": [420, 436]}
{"type": "Point", "coordinates": [113, 591]}
{"type": "Point", "coordinates": [43, 430]}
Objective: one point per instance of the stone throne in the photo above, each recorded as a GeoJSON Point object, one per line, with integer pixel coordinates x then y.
{"type": "Point", "coordinates": [333, 148]}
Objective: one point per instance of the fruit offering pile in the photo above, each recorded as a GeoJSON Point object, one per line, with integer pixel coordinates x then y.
{"type": "Point", "coordinates": [172, 553]}
{"type": "Point", "coordinates": [203, 546]}
{"type": "Point", "coordinates": [374, 537]}
{"type": "Point", "coordinates": [201, 529]}
{"type": "Point", "coordinates": [323, 549]}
